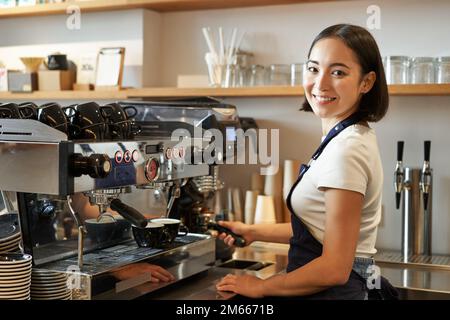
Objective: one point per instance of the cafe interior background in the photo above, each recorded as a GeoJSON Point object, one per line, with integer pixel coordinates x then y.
{"type": "Point", "coordinates": [161, 46]}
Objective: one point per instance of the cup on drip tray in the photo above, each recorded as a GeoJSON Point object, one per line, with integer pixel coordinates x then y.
{"type": "Point", "coordinates": [173, 228]}
{"type": "Point", "coordinates": [154, 235]}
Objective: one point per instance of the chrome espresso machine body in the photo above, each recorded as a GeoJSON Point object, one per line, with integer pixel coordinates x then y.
{"type": "Point", "coordinates": [45, 174]}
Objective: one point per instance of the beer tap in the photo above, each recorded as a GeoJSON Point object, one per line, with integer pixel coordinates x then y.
{"type": "Point", "coordinates": [399, 174]}
{"type": "Point", "coordinates": [425, 177]}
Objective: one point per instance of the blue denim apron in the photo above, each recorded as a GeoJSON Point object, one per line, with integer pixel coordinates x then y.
{"type": "Point", "coordinates": [304, 247]}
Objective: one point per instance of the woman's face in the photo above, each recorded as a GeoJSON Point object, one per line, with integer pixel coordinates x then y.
{"type": "Point", "coordinates": [332, 82]}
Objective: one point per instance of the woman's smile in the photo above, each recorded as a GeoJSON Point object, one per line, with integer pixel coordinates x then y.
{"type": "Point", "coordinates": [324, 99]}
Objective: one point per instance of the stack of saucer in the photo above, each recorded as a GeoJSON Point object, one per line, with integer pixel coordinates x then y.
{"type": "Point", "coordinates": [15, 276]}
{"type": "Point", "coordinates": [49, 285]}
{"type": "Point", "coordinates": [9, 233]}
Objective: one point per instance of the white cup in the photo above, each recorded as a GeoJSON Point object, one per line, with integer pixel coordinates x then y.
{"type": "Point", "coordinates": [265, 210]}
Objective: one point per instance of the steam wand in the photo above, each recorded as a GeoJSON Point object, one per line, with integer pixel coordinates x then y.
{"type": "Point", "coordinates": [81, 231]}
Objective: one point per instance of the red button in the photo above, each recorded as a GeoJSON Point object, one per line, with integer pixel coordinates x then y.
{"type": "Point", "coordinates": [118, 157]}
{"type": "Point", "coordinates": [127, 156]}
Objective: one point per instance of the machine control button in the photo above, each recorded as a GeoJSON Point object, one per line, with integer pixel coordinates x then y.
{"type": "Point", "coordinates": [182, 152]}
{"type": "Point", "coordinates": [118, 157]}
{"type": "Point", "coordinates": [175, 152]}
{"type": "Point", "coordinates": [168, 154]}
{"type": "Point", "coordinates": [127, 156]}
{"type": "Point", "coordinates": [135, 155]}
{"type": "Point", "coordinates": [152, 169]}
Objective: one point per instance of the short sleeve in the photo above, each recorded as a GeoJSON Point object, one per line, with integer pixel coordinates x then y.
{"type": "Point", "coordinates": [345, 166]}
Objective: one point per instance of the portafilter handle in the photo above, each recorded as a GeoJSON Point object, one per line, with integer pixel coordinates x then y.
{"type": "Point", "coordinates": [129, 213]}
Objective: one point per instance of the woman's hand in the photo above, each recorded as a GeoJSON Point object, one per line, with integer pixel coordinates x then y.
{"type": "Point", "coordinates": [245, 285]}
{"type": "Point", "coordinates": [239, 228]}
{"type": "Point", "coordinates": [157, 274]}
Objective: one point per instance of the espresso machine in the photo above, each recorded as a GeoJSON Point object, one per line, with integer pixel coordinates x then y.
{"type": "Point", "coordinates": [45, 174]}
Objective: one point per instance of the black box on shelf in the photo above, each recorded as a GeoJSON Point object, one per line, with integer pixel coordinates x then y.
{"type": "Point", "coordinates": [22, 81]}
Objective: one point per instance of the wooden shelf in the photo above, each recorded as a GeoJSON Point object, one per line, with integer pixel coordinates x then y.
{"type": "Point", "coordinates": [419, 89]}
{"type": "Point", "coordinates": [65, 95]}
{"type": "Point", "coordinates": [157, 5]}
{"type": "Point", "coordinates": [280, 91]}
{"type": "Point", "coordinates": [250, 92]}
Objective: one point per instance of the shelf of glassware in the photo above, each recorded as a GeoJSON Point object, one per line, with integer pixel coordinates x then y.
{"type": "Point", "coordinates": [278, 91]}
{"type": "Point", "coordinates": [242, 92]}
{"type": "Point", "coordinates": [157, 5]}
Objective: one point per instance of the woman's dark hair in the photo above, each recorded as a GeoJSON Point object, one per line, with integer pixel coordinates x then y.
{"type": "Point", "coordinates": [374, 104]}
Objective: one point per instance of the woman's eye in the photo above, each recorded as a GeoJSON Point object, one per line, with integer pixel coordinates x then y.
{"type": "Point", "coordinates": [312, 69]}
{"type": "Point", "coordinates": [338, 73]}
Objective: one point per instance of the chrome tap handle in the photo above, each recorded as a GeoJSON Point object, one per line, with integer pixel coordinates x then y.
{"type": "Point", "coordinates": [425, 177]}
{"type": "Point", "coordinates": [400, 145]}
{"type": "Point", "coordinates": [427, 147]}
{"type": "Point", "coordinates": [399, 174]}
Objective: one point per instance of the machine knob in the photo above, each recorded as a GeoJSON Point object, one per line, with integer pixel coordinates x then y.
{"type": "Point", "coordinates": [152, 169]}
{"type": "Point", "coordinates": [96, 165]}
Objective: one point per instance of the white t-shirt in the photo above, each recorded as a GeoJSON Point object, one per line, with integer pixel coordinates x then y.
{"type": "Point", "coordinates": [350, 161]}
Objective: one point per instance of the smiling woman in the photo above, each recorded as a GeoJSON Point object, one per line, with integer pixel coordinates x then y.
{"type": "Point", "coordinates": [336, 200]}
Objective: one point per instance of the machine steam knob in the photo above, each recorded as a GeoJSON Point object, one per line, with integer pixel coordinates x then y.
{"type": "Point", "coordinates": [96, 165]}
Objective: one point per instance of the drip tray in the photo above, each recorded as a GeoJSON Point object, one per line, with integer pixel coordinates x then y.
{"type": "Point", "coordinates": [245, 264]}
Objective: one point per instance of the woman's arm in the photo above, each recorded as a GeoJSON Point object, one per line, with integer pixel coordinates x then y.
{"type": "Point", "coordinates": [273, 232]}
{"type": "Point", "coordinates": [332, 268]}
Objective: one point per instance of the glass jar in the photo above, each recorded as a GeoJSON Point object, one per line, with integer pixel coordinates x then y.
{"type": "Point", "coordinates": [297, 74]}
{"type": "Point", "coordinates": [422, 70]}
{"type": "Point", "coordinates": [442, 69]}
{"type": "Point", "coordinates": [257, 75]}
{"type": "Point", "coordinates": [280, 75]}
{"type": "Point", "coordinates": [396, 69]}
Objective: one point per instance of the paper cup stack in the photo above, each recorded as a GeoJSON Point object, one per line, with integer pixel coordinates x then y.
{"type": "Point", "coordinates": [265, 210]}
{"type": "Point", "coordinates": [49, 285]}
{"type": "Point", "coordinates": [250, 206]}
{"type": "Point", "coordinates": [10, 235]}
{"type": "Point", "coordinates": [15, 276]}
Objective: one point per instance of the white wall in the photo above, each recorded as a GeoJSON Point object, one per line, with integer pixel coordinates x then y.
{"type": "Point", "coordinates": [282, 34]}
{"type": "Point", "coordinates": [41, 36]}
